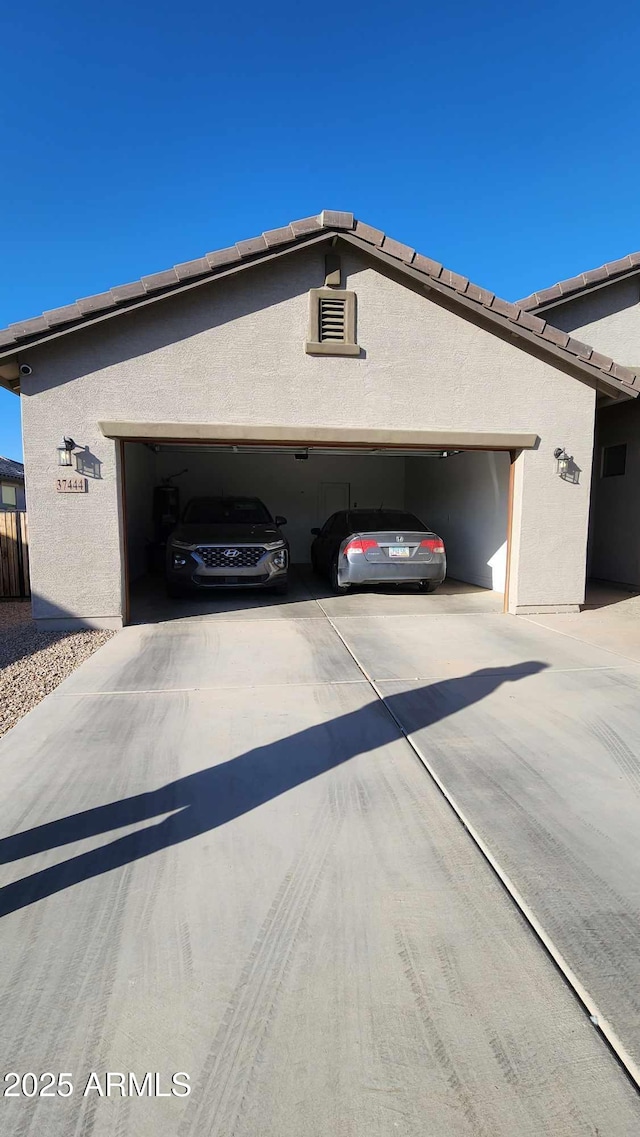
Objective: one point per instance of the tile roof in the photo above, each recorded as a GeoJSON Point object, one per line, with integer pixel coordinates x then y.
{"type": "Point", "coordinates": [514, 317]}
{"type": "Point", "coordinates": [564, 289]}
{"type": "Point", "coordinates": [11, 469]}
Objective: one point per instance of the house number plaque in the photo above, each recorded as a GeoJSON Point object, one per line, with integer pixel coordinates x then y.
{"type": "Point", "coordinates": [72, 484]}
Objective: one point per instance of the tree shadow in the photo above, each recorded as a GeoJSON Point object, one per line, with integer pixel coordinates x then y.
{"type": "Point", "coordinates": [217, 795]}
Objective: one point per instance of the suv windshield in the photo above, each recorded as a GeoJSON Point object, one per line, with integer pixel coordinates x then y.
{"type": "Point", "coordinates": [226, 511]}
{"type": "Point", "coordinates": [381, 519]}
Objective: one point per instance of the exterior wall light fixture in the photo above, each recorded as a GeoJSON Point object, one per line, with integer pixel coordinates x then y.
{"type": "Point", "coordinates": [66, 450]}
{"type": "Point", "coordinates": [563, 460]}
{"type": "Point", "coordinates": [567, 468]}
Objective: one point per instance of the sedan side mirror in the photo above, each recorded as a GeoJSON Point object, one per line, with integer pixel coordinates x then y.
{"type": "Point", "coordinates": [280, 520]}
{"type": "Point", "coordinates": [315, 532]}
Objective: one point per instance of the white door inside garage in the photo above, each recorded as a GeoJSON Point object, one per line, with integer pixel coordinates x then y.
{"type": "Point", "coordinates": [461, 495]}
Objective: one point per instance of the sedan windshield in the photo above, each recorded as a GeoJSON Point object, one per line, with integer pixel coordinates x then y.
{"type": "Point", "coordinates": [379, 520]}
{"type": "Point", "coordinates": [226, 511]}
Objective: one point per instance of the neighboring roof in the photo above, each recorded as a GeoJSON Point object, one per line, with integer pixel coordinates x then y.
{"type": "Point", "coordinates": [585, 282]}
{"type": "Point", "coordinates": [589, 365]}
{"type": "Point", "coordinates": [12, 470]}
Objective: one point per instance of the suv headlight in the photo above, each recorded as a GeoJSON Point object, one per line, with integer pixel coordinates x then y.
{"type": "Point", "coordinates": [275, 545]}
{"type": "Point", "coordinates": [181, 544]}
{"type": "Point", "coordinates": [280, 558]}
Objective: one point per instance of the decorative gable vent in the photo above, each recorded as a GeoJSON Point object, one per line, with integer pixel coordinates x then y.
{"type": "Point", "coordinates": [332, 322]}
{"type": "Point", "coordinates": [332, 319]}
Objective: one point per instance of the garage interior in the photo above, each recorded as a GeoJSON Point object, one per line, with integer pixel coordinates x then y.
{"type": "Point", "coordinates": [461, 494]}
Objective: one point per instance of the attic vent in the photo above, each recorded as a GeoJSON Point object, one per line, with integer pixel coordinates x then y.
{"type": "Point", "coordinates": [332, 322]}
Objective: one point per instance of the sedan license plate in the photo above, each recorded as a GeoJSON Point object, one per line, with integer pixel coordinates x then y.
{"type": "Point", "coordinates": [399, 551]}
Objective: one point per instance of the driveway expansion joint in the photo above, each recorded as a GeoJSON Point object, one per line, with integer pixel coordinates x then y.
{"type": "Point", "coordinates": [603, 1027]}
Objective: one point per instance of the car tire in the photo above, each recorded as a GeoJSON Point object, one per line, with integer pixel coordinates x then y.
{"type": "Point", "coordinates": [335, 583]}
{"type": "Point", "coordinates": [428, 585]}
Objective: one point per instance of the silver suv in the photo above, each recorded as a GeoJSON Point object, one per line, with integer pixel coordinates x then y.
{"type": "Point", "coordinates": [227, 542]}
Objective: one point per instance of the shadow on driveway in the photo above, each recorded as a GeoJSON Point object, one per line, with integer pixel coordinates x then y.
{"type": "Point", "coordinates": [202, 801]}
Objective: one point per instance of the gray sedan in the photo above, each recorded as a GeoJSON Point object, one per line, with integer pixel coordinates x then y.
{"type": "Point", "coordinates": [378, 546]}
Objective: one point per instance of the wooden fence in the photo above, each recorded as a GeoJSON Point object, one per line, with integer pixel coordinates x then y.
{"type": "Point", "coordinates": [14, 555]}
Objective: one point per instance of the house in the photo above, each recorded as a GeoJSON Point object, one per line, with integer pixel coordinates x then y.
{"type": "Point", "coordinates": [319, 365]}
{"type": "Point", "coordinates": [602, 306]}
{"type": "Point", "coordinates": [11, 484]}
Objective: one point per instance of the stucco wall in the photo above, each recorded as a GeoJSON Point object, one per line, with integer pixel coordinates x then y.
{"type": "Point", "coordinates": [607, 319]}
{"type": "Point", "coordinates": [464, 498]}
{"type": "Point", "coordinates": [233, 352]}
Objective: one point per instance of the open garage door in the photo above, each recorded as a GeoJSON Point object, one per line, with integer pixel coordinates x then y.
{"type": "Point", "coordinates": [463, 495]}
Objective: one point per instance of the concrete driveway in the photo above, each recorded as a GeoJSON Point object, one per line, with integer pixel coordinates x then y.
{"type": "Point", "coordinates": [222, 857]}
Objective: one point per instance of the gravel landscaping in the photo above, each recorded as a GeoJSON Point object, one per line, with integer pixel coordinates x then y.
{"type": "Point", "coordinates": [33, 663]}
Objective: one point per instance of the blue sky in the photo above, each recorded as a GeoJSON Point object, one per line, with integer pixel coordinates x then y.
{"type": "Point", "coordinates": [501, 138]}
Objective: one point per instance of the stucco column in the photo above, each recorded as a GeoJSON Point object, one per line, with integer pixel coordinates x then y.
{"type": "Point", "coordinates": [550, 527]}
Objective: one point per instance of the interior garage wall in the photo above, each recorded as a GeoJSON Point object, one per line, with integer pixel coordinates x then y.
{"type": "Point", "coordinates": [140, 478]}
{"type": "Point", "coordinates": [288, 486]}
{"type": "Point", "coordinates": [464, 499]}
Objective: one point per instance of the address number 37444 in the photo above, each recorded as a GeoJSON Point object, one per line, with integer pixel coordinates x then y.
{"type": "Point", "coordinates": [71, 485]}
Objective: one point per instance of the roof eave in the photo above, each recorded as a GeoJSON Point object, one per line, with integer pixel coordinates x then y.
{"type": "Point", "coordinates": [481, 314]}
{"type": "Point", "coordinates": [474, 303]}
{"type": "Point", "coordinates": [530, 304]}
{"type": "Point", "coordinates": [10, 377]}
{"type": "Point", "coordinates": [14, 351]}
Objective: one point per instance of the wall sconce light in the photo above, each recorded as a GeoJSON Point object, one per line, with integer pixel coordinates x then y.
{"type": "Point", "coordinates": [563, 460]}
{"type": "Point", "coordinates": [65, 451]}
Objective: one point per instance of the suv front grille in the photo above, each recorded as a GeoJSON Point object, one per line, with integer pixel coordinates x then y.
{"type": "Point", "coordinates": [219, 557]}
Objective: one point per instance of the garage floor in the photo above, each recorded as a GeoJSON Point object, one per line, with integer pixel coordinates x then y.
{"type": "Point", "coordinates": [149, 602]}
{"type": "Point", "coordinates": [223, 857]}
